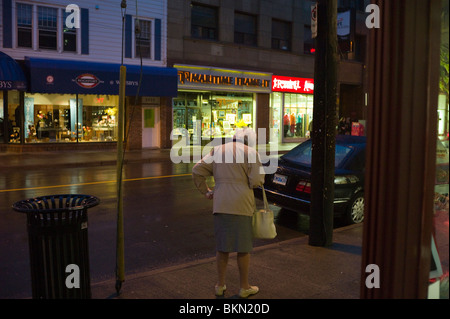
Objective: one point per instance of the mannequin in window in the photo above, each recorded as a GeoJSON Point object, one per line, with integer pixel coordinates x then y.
{"type": "Point", "coordinates": [286, 124]}
{"type": "Point", "coordinates": [292, 123]}
{"type": "Point", "coordinates": [298, 125]}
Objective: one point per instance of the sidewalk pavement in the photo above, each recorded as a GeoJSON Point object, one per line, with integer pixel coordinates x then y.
{"type": "Point", "coordinates": [290, 269]}
{"type": "Point", "coordinates": [84, 158]}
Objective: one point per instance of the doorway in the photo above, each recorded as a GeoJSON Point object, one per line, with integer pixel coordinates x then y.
{"type": "Point", "coordinates": [151, 127]}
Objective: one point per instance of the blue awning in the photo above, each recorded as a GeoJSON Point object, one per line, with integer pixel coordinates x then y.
{"type": "Point", "coordinates": [79, 77]}
{"type": "Point", "coordinates": [11, 74]}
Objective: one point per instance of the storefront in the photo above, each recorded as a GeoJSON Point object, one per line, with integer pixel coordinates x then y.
{"type": "Point", "coordinates": [213, 102]}
{"type": "Point", "coordinates": [77, 102]}
{"type": "Point", "coordinates": [12, 85]}
{"type": "Point", "coordinates": [70, 118]}
{"type": "Point", "coordinates": [291, 108]}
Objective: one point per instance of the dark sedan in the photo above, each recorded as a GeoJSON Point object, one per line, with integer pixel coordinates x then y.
{"type": "Point", "coordinates": [290, 186]}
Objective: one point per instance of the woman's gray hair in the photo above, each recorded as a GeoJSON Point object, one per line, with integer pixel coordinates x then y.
{"type": "Point", "coordinates": [246, 136]}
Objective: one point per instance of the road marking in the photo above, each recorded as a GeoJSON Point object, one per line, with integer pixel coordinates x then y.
{"type": "Point", "coordinates": [92, 183]}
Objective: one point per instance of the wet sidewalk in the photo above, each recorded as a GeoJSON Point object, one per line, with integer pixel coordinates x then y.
{"type": "Point", "coordinates": [289, 269]}
{"type": "Point", "coordinates": [84, 158]}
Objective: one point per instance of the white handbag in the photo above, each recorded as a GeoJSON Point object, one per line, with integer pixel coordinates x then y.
{"type": "Point", "coordinates": [263, 224]}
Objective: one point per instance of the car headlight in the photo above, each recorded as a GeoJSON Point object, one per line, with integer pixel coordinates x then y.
{"type": "Point", "coordinates": [346, 179]}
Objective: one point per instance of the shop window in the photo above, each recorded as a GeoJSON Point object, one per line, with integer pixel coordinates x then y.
{"type": "Point", "coordinates": [99, 118]}
{"type": "Point", "coordinates": [44, 27]}
{"type": "Point", "coordinates": [47, 27]}
{"type": "Point", "coordinates": [204, 22]}
{"type": "Point", "coordinates": [144, 39]}
{"type": "Point", "coordinates": [276, 105]}
{"type": "Point", "coordinates": [14, 123]}
{"type": "Point", "coordinates": [24, 25]}
{"type": "Point", "coordinates": [51, 118]}
{"type": "Point", "coordinates": [208, 115]}
{"type": "Point", "coordinates": [48, 118]}
{"type": "Point", "coordinates": [297, 115]}
{"type": "Point", "coordinates": [245, 29]}
{"type": "Point", "coordinates": [69, 36]}
{"type": "Point", "coordinates": [281, 35]}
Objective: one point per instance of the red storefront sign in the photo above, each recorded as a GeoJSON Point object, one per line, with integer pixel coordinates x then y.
{"type": "Point", "coordinates": [292, 85]}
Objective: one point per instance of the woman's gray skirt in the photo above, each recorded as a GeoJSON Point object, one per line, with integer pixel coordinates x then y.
{"type": "Point", "coordinates": [233, 233]}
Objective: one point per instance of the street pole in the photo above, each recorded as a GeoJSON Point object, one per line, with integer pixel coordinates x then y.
{"type": "Point", "coordinates": [120, 240]}
{"type": "Point", "coordinates": [324, 125]}
{"type": "Point", "coordinates": [120, 258]}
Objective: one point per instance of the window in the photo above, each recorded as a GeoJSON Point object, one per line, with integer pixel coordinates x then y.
{"type": "Point", "coordinates": [210, 115]}
{"type": "Point", "coordinates": [143, 40]}
{"type": "Point", "coordinates": [44, 27]}
{"type": "Point", "coordinates": [24, 25]}
{"type": "Point", "coordinates": [359, 5]}
{"type": "Point", "coordinates": [281, 35]}
{"type": "Point", "coordinates": [245, 29]}
{"type": "Point", "coordinates": [12, 116]}
{"type": "Point", "coordinates": [69, 35]}
{"type": "Point", "coordinates": [204, 22]}
{"type": "Point", "coordinates": [308, 41]}
{"type": "Point", "coordinates": [297, 115]}
{"type": "Point", "coordinates": [54, 118]}
{"type": "Point", "coordinates": [47, 27]}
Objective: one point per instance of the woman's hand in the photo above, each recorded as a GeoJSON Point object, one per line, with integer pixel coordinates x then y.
{"type": "Point", "coordinates": [209, 194]}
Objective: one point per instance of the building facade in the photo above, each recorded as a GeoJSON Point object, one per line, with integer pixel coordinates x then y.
{"type": "Point", "coordinates": [251, 63]}
{"type": "Point", "coordinates": [71, 58]}
{"type": "Point", "coordinates": [208, 66]}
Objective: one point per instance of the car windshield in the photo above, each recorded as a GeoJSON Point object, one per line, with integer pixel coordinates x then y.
{"type": "Point", "coordinates": [302, 154]}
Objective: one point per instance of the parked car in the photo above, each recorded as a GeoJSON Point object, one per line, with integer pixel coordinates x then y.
{"type": "Point", "coordinates": [290, 186]}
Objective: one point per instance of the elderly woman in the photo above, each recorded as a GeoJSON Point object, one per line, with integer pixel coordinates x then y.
{"type": "Point", "coordinates": [236, 170]}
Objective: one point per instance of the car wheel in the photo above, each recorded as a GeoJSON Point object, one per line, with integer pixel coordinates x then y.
{"type": "Point", "coordinates": [355, 211]}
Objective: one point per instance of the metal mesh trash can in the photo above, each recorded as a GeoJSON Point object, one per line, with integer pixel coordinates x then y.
{"type": "Point", "coordinates": [58, 244]}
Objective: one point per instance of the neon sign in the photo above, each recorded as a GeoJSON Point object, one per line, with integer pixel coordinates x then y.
{"type": "Point", "coordinates": [190, 77]}
{"type": "Point", "coordinates": [292, 85]}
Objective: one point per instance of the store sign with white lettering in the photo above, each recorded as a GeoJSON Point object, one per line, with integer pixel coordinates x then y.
{"type": "Point", "coordinates": [292, 84]}
{"type": "Point", "coordinates": [87, 81]}
{"type": "Point", "coordinates": [12, 85]}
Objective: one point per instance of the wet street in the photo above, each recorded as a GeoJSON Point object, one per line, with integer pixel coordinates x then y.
{"type": "Point", "coordinates": [166, 220]}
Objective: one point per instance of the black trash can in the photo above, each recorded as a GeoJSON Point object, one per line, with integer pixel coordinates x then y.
{"type": "Point", "coordinates": [58, 243]}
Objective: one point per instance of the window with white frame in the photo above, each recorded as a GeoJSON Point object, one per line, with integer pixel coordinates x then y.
{"type": "Point", "coordinates": [143, 39]}
{"type": "Point", "coordinates": [24, 25]}
{"type": "Point", "coordinates": [69, 35]}
{"type": "Point", "coordinates": [47, 27]}
{"type": "Point", "coordinates": [44, 27]}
